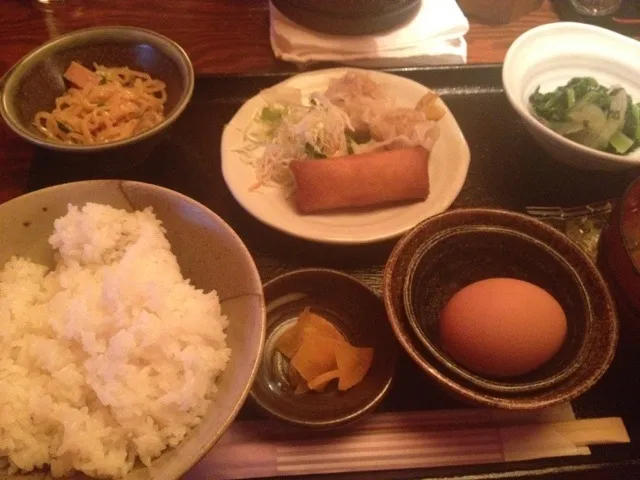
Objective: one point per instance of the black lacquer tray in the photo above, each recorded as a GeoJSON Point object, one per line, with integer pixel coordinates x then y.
{"type": "Point", "coordinates": [508, 170]}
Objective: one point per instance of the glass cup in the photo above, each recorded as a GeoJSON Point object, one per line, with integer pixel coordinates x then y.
{"type": "Point", "coordinates": [596, 8]}
{"type": "Point", "coordinates": [51, 11]}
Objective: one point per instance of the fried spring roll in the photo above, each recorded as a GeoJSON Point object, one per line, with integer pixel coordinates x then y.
{"type": "Point", "coordinates": [361, 180]}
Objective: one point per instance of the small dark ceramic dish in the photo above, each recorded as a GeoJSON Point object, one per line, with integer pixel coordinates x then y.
{"type": "Point", "coordinates": [358, 313]}
{"type": "Point", "coordinates": [33, 84]}
{"type": "Point", "coordinates": [442, 266]}
{"type": "Point", "coordinates": [352, 17]}
{"type": "Point", "coordinates": [482, 243]}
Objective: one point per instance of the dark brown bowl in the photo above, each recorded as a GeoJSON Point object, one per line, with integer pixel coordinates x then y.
{"type": "Point", "coordinates": [358, 312]}
{"type": "Point", "coordinates": [443, 265]}
{"type": "Point", "coordinates": [33, 84]}
{"type": "Point", "coordinates": [483, 243]}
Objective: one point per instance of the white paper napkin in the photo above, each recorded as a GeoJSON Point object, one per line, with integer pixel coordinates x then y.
{"type": "Point", "coordinates": [434, 36]}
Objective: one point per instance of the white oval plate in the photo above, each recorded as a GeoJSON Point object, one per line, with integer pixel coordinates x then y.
{"type": "Point", "coordinates": [448, 166]}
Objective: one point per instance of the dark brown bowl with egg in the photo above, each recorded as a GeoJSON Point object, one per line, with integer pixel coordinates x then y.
{"type": "Point", "coordinates": [446, 253]}
{"type": "Point", "coordinates": [522, 257]}
{"type": "Point", "coordinates": [33, 84]}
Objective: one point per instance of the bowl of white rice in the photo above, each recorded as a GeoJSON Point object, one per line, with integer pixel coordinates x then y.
{"type": "Point", "coordinates": [132, 321]}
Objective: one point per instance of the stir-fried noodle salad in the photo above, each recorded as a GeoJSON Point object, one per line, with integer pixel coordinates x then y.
{"type": "Point", "coordinates": [355, 114]}
{"type": "Point", "coordinates": [104, 105]}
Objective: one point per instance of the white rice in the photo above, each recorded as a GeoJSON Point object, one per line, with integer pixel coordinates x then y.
{"type": "Point", "coordinates": [110, 356]}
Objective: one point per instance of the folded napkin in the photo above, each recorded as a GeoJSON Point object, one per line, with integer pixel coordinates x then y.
{"type": "Point", "coordinates": [434, 36]}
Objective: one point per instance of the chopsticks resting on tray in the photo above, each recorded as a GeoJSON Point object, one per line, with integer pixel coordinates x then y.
{"type": "Point", "coordinates": [401, 440]}
{"type": "Point", "coordinates": [599, 208]}
{"type": "Point", "coordinates": [582, 224]}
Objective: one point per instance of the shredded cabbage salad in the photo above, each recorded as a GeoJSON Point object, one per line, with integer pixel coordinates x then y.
{"type": "Point", "coordinates": [354, 115]}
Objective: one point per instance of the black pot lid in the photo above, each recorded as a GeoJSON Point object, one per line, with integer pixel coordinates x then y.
{"type": "Point", "coordinates": [349, 17]}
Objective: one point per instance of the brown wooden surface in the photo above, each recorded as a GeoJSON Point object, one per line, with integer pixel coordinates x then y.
{"type": "Point", "coordinates": [220, 36]}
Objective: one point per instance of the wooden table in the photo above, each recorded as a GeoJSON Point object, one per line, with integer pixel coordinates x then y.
{"type": "Point", "coordinates": [220, 36]}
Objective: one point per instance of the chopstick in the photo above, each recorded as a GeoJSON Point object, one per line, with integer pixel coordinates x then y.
{"type": "Point", "coordinates": [593, 431]}
{"type": "Point", "coordinates": [449, 447]}
{"type": "Point", "coordinates": [551, 440]}
{"type": "Point", "coordinates": [400, 440]}
{"type": "Point", "coordinates": [570, 212]}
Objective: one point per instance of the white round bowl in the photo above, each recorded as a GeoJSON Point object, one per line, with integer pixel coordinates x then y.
{"type": "Point", "coordinates": [549, 56]}
{"type": "Point", "coordinates": [209, 253]}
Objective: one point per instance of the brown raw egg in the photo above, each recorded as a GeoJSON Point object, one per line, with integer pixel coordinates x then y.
{"type": "Point", "coordinates": [502, 327]}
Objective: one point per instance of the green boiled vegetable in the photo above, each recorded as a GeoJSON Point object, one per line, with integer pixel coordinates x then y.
{"type": "Point", "coordinates": [591, 114]}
